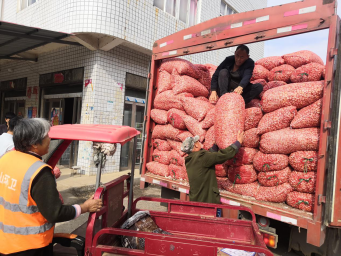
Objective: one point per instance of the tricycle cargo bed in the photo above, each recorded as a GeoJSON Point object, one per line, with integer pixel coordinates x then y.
{"type": "Point", "coordinates": [193, 228]}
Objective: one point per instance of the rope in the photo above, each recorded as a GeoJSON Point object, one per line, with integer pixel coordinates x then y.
{"type": "Point", "coordinates": [302, 201]}
{"type": "Point", "coordinates": [174, 174]}
{"type": "Point", "coordinates": [306, 160]}
{"type": "Point", "coordinates": [304, 74]}
{"type": "Point", "coordinates": [274, 176]}
{"type": "Point", "coordinates": [267, 165]}
{"type": "Point", "coordinates": [300, 180]}
{"type": "Point", "coordinates": [235, 178]}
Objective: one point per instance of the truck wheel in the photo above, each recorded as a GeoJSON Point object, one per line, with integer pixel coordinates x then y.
{"type": "Point", "coordinates": [333, 242]}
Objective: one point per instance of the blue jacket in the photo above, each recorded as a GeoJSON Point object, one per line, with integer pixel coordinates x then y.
{"type": "Point", "coordinates": [245, 71]}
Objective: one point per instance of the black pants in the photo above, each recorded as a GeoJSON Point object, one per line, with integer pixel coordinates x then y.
{"type": "Point", "coordinates": [250, 92]}
{"type": "Point", "coordinates": [46, 251]}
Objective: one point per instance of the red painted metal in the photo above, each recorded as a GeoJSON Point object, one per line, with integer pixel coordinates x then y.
{"type": "Point", "coordinates": [194, 227]}
{"type": "Point", "coordinates": [99, 133]}
{"type": "Point", "coordinates": [58, 153]}
{"type": "Point", "coordinates": [250, 27]}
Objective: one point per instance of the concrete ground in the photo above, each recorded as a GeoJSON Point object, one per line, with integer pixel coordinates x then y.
{"type": "Point", "coordinates": [77, 189]}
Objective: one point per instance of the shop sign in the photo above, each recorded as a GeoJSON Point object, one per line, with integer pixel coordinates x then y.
{"type": "Point", "coordinates": [58, 78]}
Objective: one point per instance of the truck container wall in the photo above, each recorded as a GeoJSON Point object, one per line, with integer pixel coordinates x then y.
{"type": "Point", "coordinates": [256, 26]}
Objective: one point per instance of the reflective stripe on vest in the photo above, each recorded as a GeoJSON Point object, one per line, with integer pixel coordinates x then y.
{"type": "Point", "coordinates": [22, 206]}
{"type": "Point", "coordinates": [25, 230]}
{"type": "Point", "coordinates": [23, 199]}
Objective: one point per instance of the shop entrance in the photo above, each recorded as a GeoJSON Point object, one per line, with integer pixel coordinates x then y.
{"type": "Point", "coordinates": [13, 97]}
{"type": "Point", "coordinates": [61, 109]}
{"type": "Point", "coordinates": [61, 103]}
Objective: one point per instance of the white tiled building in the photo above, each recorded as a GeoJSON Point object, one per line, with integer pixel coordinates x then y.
{"type": "Point", "coordinates": [118, 36]}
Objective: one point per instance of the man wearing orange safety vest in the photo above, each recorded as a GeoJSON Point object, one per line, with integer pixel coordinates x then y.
{"type": "Point", "coordinates": [29, 200]}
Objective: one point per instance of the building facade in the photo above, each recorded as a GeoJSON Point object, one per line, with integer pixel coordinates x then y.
{"type": "Point", "coordinates": [103, 81]}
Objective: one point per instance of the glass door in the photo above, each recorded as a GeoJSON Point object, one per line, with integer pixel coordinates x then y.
{"type": "Point", "coordinates": [133, 116]}
{"type": "Point", "coordinates": [15, 106]}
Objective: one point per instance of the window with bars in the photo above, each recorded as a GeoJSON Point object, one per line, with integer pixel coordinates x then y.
{"type": "Point", "coordinates": [225, 9]}
{"type": "Point", "coordinates": [22, 4]}
{"type": "Point", "coordinates": [184, 10]}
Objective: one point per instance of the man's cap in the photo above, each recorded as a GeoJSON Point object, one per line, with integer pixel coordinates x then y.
{"type": "Point", "coordinates": [188, 144]}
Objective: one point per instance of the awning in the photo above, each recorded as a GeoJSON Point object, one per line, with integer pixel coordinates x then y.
{"type": "Point", "coordinates": [16, 39]}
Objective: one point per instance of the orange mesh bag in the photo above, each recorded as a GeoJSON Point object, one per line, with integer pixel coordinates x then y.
{"type": "Point", "coordinates": [183, 67]}
{"type": "Point", "coordinates": [159, 116]}
{"type": "Point", "coordinates": [194, 127]}
{"type": "Point", "coordinates": [259, 81]}
{"type": "Point", "coordinates": [220, 170]}
{"type": "Point", "coordinates": [323, 73]}
{"type": "Point", "coordinates": [168, 100]}
{"type": "Point", "coordinates": [255, 103]}
{"type": "Point", "coordinates": [276, 120]}
{"type": "Point", "coordinates": [302, 201]}
{"type": "Point", "coordinates": [270, 85]}
{"type": "Point", "coordinates": [162, 157]}
{"type": "Point", "coordinates": [229, 119]}
{"type": "Point", "coordinates": [300, 58]}
{"type": "Point", "coordinates": [178, 172]}
{"type": "Point", "coordinates": [276, 194]}
{"type": "Point", "coordinates": [303, 182]}
{"type": "Point", "coordinates": [251, 138]}
{"type": "Point", "coordinates": [281, 73]}
{"type": "Point", "coordinates": [309, 116]}
{"type": "Point", "coordinates": [304, 161]}
{"type": "Point", "coordinates": [162, 145]}
{"type": "Point", "coordinates": [259, 72]}
{"type": "Point", "coordinates": [174, 117]}
{"type": "Point", "coordinates": [163, 132]}
{"type": "Point", "coordinates": [243, 157]}
{"type": "Point", "coordinates": [203, 98]}
{"type": "Point", "coordinates": [183, 135]}
{"type": "Point", "coordinates": [252, 118]}
{"type": "Point", "coordinates": [158, 169]}
{"type": "Point", "coordinates": [209, 119]}
{"type": "Point", "coordinates": [250, 189]}
{"type": "Point", "coordinates": [288, 140]}
{"type": "Point", "coordinates": [164, 81]}
{"type": "Point", "coordinates": [221, 181]}
{"type": "Point", "coordinates": [209, 138]}
{"type": "Point", "coordinates": [176, 146]}
{"type": "Point", "coordinates": [176, 158]}
{"type": "Point", "coordinates": [242, 174]}
{"type": "Point", "coordinates": [204, 75]}
{"type": "Point", "coordinates": [274, 178]}
{"type": "Point", "coordinates": [196, 108]}
{"type": "Point", "coordinates": [299, 95]}
{"type": "Point", "coordinates": [212, 68]}
{"type": "Point", "coordinates": [270, 62]}
{"type": "Point", "coordinates": [188, 84]}
{"type": "Point", "coordinates": [307, 73]}
{"type": "Point", "coordinates": [270, 162]}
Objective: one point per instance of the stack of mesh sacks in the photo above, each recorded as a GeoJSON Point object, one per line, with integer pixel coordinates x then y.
{"type": "Point", "coordinates": [181, 109]}
{"type": "Point", "coordinates": [278, 160]}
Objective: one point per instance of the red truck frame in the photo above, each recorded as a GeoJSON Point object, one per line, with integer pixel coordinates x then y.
{"type": "Point", "coordinates": [257, 26]}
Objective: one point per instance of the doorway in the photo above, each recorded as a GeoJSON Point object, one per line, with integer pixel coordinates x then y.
{"type": "Point", "coordinates": [61, 109]}
{"type": "Point", "coordinates": [15, 106]}
{"type": "Point", "coordinates": [134, 117]}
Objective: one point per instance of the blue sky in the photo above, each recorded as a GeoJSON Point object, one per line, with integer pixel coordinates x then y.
{"type": "Point", "coordinates": [314, 41]}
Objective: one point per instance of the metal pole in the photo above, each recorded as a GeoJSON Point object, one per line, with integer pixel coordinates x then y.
{"type": "Point", "coordinates": [99, 171]}
{"type": "Point", "coordinates": [130, 202]}
{"type": "Point", "coordinates": [145, 120]}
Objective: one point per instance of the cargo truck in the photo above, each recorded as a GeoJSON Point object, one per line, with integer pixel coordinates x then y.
{"type": "Point", "coordinates": [316, 233]}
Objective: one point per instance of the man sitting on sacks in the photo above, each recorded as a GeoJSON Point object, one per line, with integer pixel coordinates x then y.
{"type": "Point", "coordinates": [233, 75]}
{"type": "Point", "coordinates": [200, 167]}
